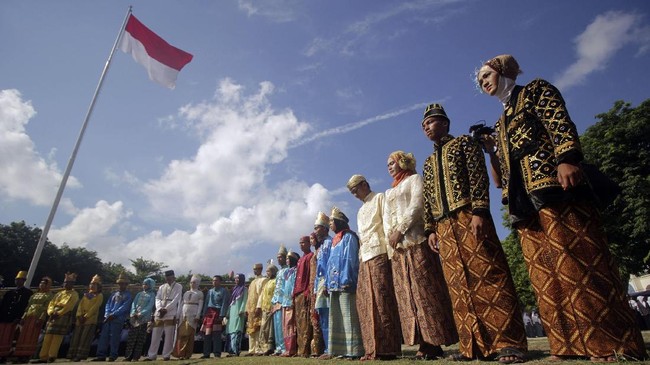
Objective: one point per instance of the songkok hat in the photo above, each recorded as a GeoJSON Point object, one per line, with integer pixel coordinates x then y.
{"type": "Point", "coordinates": [337, 214]}
{"type": "Point", "coordinates": [322, 220]}
{"type": "Point", "coordinates": [282, 251]}
{"type": "Point", "coordinates": [293, 254]}
{"type": "Point", "coordinates": [170, 273]}
{"type": "Point", "coordinates": [433, 110]}
{"type": "Point", "coordinates": [195, 279]}
{"type": "Point", "coordinates": [505, 65]}
{"type": "Point", "coordinates": [273, 268]}
{"type": "Point", "coordinates": [257, 266]}
{"type": "Point", "coordinates": [70, 277]}
{"type": "Point", "coordinates": [122, 278]}
{"type": "Point", "coordinates": [21, 275]}
{"type": "Point", "coordinates": [96, 280]}
{"type": "Point", "coordinates": [355, 180]}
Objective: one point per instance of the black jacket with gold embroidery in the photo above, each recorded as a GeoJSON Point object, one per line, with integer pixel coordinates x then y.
{"type": "Point", "coordinates": [535, 134]}
{"type": "Point", "coordinates": [455, 176]}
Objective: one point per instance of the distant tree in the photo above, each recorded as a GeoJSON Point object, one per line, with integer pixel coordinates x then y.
{"type": "Point", "coordinates": [619, 144]}
{"type": "Point", "coordinates": [111, 271]}
{"type": "Point", "coordinates": [148, 268]}
{"type": "Point", "coordinates": [17, 244]}
{"type": "Point", "coordinates": [518, 268]}
{"type": "Point", "coordinates": [81, 261]}
{"type": "Point", "coordinates": [185, 279]}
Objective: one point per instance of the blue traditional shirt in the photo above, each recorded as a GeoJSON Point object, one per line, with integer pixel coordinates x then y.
{"type": "Point", "coordinates": [289, 283]}
{"type": "Point", "coordinates": [278, 294]}
{"type": "Point", "coordinates": [118, 305]}
{"type": "Point", "coordinates": [343, 264]}
{"type": "Point", "coordinates": [217, 298]}
{"type": "Point", "coordinates": [322, 257]}
{"type": "Point", "coordinates": [143, 306]}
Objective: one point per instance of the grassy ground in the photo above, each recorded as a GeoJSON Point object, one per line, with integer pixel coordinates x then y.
{"type": "Point", "coordinates": [538, 354]}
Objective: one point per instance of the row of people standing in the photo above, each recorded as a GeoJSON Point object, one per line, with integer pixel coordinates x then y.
{"type": "Point", "coordinates": [163, 313]}
{"type": "Point", "coordinates": [536, 161]}
{"type": "Point", "coordinates": [440, 223]}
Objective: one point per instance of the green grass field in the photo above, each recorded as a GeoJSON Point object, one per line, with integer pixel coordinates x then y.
{"type": "Point", "coordinates": [537, 352]}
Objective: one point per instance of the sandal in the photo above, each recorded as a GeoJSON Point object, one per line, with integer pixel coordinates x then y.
{"type": "Point", "coordinates": [515, 356]}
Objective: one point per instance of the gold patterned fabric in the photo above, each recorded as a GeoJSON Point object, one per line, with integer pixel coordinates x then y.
{"type": "Point", "coordinates": [579, 292]}
{"type": "Point", "coordinates": [535, 134]}
{"type": "Point", "coordinates": [484, 300]}
{"type": "Point", "coordinates": [454, 177]}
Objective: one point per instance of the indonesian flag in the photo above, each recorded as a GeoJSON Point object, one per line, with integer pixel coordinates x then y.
{"type": "Point", "coordinates": [162, 60]}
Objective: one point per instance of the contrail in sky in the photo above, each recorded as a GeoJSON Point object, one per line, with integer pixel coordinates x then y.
{"type": "Point", "coordinates": [356, 125]}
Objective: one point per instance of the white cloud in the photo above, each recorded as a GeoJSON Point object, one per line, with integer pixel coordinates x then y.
{"type": "Point", "coordinates": [279, 11]}
{"type": "Point", "coordinates": [356, 125]}
{"type": "Point", "coordinates": [600, 41]}
{"type": "Point", "coordinates": [90, 225]}
{"type": "Point", "coordinates": [222, 191]}
{"type": "Point", "coordinates": [25, 174]}
{"type": "Point", "coordinates": [241, 136]}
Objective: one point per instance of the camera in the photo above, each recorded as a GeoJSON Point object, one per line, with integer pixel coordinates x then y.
{"type": "Point", "coordinates": [479, 129]}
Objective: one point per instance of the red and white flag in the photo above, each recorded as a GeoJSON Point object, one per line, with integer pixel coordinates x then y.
{"type": "Point", "coordinates": [162, 60]}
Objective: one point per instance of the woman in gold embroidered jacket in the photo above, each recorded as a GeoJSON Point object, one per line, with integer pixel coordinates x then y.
{"type": "Point", "coordinates": [580, 295]}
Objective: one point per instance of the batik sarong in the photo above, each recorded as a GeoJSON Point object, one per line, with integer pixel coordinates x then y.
{"type": "Point", "coordinates": [579, 292]}
{"type": "Point", "coordinates": [422, 297]}
{"type": "Point", "coordinates": [305, 331]}
{"type": "Point", "coordinates": [485, 304]}
{"type": "Point", "coordinates": [380, 326]}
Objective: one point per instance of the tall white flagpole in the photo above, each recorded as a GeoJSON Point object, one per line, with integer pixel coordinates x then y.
{"type": "Point", "coordinates": [73, 156]}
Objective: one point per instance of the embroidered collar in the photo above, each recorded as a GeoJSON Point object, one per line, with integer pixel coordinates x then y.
{"type": "Point", "coordinates": [443, 140]}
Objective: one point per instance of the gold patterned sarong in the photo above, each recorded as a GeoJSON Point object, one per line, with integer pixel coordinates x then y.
{"type": "Point", "coordinates": [484, 299]}
{"type": "Point", "coordinates": [579, 292]}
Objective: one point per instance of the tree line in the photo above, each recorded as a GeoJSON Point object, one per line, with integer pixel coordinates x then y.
{"type": "Point", "coordinates": [18, 242]}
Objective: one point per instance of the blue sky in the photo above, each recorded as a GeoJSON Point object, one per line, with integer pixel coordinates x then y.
{"type": "Point", "coordinates": [282, 103]}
